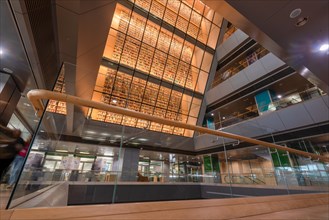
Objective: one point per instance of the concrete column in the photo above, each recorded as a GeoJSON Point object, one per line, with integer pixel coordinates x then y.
{"type": "Point", "coordinates": [166, 171]}
{"type": "Point", "coordinates": [9, 97]}
{"type": "Point", "coordinates": [130, 164]}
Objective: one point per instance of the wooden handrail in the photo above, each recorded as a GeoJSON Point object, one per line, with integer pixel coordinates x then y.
{"type": "Point", "coordinates": [35, 96]}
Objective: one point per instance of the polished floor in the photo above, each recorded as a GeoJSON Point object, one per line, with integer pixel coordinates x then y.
{"type": "Point", "coordinates": [305, 206]}
{"type": "Point", "coordinates": [4, 196]}
{"type": "Point", "coordinates": [315, 212]}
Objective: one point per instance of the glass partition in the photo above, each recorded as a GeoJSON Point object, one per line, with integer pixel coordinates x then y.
{"type": "Point", "coordinates": [246, 108]}
{"type": "Point", "coordinates": [71, 147]}
{"type": "Point", "coordinates": [239, 64]}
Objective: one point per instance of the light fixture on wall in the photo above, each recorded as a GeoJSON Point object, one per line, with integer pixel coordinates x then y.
{"type": "Point", "coordinates": [324, 47]}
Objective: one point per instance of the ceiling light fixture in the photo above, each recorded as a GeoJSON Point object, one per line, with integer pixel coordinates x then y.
{"type": "Point", "coordinates": [1, 51]}
{"type": "Point", "coordinates": [84, 152]}
{"type": "Point", "coordinates": [114, 101]}
{"type": "Point", "coordinates": [304, 72]}
{"type": "Point", "coordinates": [295, 13]}
{"type": "Point", "coordinates": [142, 139]}
{"type": "Point", "coordinates": [7, 70]}
{"type": "Point", "coordinates": [301, 21]}
{"type": "Point", "coordinates": [62, 151]}
{"type": "Point", "coordinates": [212, 114]}
{"type": "Point", "coordinates": [324, 47]}
{"type": "Point", "coordinates": [279, 96]}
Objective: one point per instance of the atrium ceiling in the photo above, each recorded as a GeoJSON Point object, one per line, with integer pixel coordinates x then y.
{"type": "Point", "coordinates": [269, 23]}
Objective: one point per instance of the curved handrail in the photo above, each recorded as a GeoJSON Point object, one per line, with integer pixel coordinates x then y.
{"type": "Point", "coordinates": [35, 97]}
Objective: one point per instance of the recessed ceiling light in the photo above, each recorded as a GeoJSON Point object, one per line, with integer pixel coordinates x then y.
{"type": "Point", "coordinates": [279, 96]}
{"type": "Point", "coordinates": [63, 151]}
{"type": "Point", "coordinates": [105, 134]}
{"type": "Point", "coordinates": [114, 101]}
{"type": "Point", "coordinates": [324, 47]}
{"type": "Point", "coordinates": [142, 139]}
{"type": "Point", "coordinates": [295, 13]}
{"type": "Point", "coordinates": [212, 114]}
{"type": "Point", "coordinates": [83, 152]}
{"type": "Point", "coordinates": [7, 70]}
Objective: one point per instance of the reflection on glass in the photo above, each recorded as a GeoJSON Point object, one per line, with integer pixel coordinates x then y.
{"type": "Point", "coordinates": [57, 106]}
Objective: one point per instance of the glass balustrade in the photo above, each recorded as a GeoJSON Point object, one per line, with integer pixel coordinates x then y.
{"type": "Point", "coordinates": [241, 63]}
{"type": "Point", "coordinates": [71, 148]}
{"type": "Point", "coordinates": [223, 120]}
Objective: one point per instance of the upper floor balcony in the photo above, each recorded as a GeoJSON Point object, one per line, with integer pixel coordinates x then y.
{"type": "Point", "coordinates": [250, 70]}
{"type": "Point", "coordinates": [289, 113]}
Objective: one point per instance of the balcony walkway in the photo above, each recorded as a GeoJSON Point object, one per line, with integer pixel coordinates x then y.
{"type": "Point", "coordinates": [305, 206]}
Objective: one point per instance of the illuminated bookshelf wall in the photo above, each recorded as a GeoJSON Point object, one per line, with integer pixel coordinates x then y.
{"type": "Point", "coordinates": [161, 54]}
{"type": "Point", "coordinates": [57, 106]}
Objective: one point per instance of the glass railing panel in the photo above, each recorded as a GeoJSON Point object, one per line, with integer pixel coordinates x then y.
{"type": "Point", "coordinates": [298, 173]}
{"type": "Point", "coordinates": [252, 111]}
{"type": "Point", "coordinates": [242, 63]}
{"type": "Point", "coordinates": [74, 149]}
{"type": "Point", "coordinates": [33, 177]}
